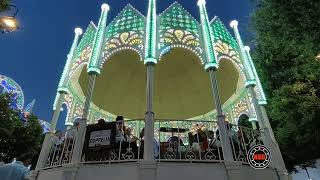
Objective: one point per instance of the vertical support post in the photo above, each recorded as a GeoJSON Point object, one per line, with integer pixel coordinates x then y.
{"type": "Point", "coordinates": [56, 112]}
{"type": "Point", "coordinates": [212, 66]}
{"type": "Point", "coordinates": [252, 119]}
{"type": "Point", "coordinates": [93, 71]}
{"type": "Point", "coordinates": [70, 121]}
{"type": "Point", "coordinates": [62, 90]}
{"type": "Point", "coordinates": [148, 166]}
{"type": "Point", "coordinates": [78, 146]}
{"type": "Point", "coordinates": [264, 123]}
{"type": "Point", "coordinates": [150, 60]}
{"type": "Point", "coordinates": [254, 125]}
{"type": "Point", "coordinates": [279, 163]}
{"type": "Point", "coordinates": [149, 116]}
{"type": "Point", "coordinates": [226, 145]}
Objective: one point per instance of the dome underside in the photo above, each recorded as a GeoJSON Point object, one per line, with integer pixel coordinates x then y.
{"type": "Point", "coordinates": [182, 86]}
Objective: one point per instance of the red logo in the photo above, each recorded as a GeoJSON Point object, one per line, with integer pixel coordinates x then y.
{"type": "Point", "coordinates": [259, 157]}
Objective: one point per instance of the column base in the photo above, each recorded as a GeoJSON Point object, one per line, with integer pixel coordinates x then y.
{"type": "Point", "coordinates": [148, 170]}
{"type": "Point", "coordinates": [283, 175]}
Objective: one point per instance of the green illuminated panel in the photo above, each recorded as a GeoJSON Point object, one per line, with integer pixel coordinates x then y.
{"type": "Point", "coordinates": [129, 19]}
{"type": "Point", "coordinates": [86, 40]}
{"type": "Point", "coordinates": [176, 17]}
{"type": "Point", "coordinates": [220, 32]}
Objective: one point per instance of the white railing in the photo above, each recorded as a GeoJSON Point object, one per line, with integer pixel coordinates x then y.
{"type": "Point", "coordinates": [175, 140]}
{"type": "Point", "coordinates": [61, 148]}
{"type": "Point", "coordinates": [123, 146]}
{"type": "Point", "coordinates": [242, 139]}
{"type": "Point", "coordinates": [188, 140]}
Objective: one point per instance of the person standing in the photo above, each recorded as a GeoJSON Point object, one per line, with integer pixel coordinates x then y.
{"type": "Point", "coordinates": [17, 170]}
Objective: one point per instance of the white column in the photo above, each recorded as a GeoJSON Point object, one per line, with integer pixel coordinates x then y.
{"type": "Point", "coordinates": [93, 71]}
{"type": "Point", "coordinates": [223, 131]}
{"type": "Point", "coordinates": [45, 149]}
{"type": "Point", "coordinates": [149, 116]}
{"type": "Point", "coordinates": [252, 119]}
{"type": "Point", "coordinates": [77, 151]}
{"type": "Point", "coordinates": [62, 90]}
{"type": "Point", "coordinates": [254, 125]}
{"type": "Point", "coordinates": [260, 110]}
{"type": "Point", "coordinates": [56, 113]}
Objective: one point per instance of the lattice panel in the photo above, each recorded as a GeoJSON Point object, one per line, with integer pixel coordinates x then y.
{"type": "Point", "coordinates": [220, 32]}
{"type": "Point", "coordinates": [179, 29]}
{"type": "Point", "coordinates": [86, 40]}
{"type": "Point", "coordinates": [129, 19]}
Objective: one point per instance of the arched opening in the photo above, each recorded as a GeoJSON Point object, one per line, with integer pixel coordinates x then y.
{"type": "Point", "coordinates": [76, 121]}
{"type": "Point", "coordinates": [62, 118]}
{"type": "Point", "coordinates": [183, 88]}
{"type": "Point", "coordinates": [243, 121]}
{"type": "Point", "coordinates": [120, 88]}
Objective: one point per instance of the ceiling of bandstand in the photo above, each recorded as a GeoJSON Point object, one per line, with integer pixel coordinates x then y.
{"type": "Point", "coordinates": [182, 86]}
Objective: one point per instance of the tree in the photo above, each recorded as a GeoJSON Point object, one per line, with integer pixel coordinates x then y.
{"type": "Point", "coordinates": [16, 135]}
{"type": "Point", "coordinates": [287, 40]}
{"type": "Point", "coordinates": [4, 5]}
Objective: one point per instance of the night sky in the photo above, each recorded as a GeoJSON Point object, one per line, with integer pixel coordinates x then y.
{"type": "Point", "coordinates": [35, 55]}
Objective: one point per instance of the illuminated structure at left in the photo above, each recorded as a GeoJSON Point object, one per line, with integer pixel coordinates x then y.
{"type": "Point", "coordinates": [8, 85]}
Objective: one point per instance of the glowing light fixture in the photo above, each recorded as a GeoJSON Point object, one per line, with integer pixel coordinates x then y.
{"type": "Point", "coordinates": [318, 57]}
{"type": "Point", "coordinates": [234, 24]}
{"type": "Point", "coordinates": [8, 24]}
{"type": "Point", "coordinates": [201, 2]}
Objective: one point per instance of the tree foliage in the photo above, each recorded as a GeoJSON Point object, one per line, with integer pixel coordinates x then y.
{"type": "Point", "coordinates": [17, 137]}
{"type": "Point", "coordinates": [287, 43]}
{"type": "Point", "coordinates": [4, 5]}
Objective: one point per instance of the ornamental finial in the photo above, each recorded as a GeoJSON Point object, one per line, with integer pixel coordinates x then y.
{"type": "Point", "coordinates": [234, 24]}
{"type": "Point", "coordinates": [78, 31]}
{"type": "Point", "coordinates": [247, 48]}
{"type": "Point", "coordinates": [105, 7]}
{"type": "Point", "coordinates": [201, 2]}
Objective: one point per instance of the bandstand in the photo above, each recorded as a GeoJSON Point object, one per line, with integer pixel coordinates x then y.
{"type": "Point", "coordinates": [182, 82]}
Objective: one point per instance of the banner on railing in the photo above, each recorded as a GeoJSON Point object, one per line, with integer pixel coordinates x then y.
{"type": "Point", "coordinates": [100, 138]}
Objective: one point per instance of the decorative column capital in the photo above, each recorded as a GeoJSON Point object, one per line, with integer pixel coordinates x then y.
{"type": "Point", "coordinates": [94, 63]}
{"type": "Point", "coordinates": [62, 87]}
{"type": "Point", "coordinates": [253, 119]}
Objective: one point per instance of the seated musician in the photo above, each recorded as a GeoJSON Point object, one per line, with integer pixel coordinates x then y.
{"type": "Point", "coordinates": [120, 131]}
{"type": "Point", "coordinates": [130, 137]}
{"type": "Point", "coordinates": [125, 139]}
{"type": "Point", "coordinates": [198, 140]}
{"type": "Point", "coordinates": [214, 140]}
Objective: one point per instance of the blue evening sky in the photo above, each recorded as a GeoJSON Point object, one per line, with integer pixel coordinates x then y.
{"type": "Point", "coordinates": [35, 56]}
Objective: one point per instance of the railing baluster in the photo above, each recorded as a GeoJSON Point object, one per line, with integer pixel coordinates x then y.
{"type": "Point", "coordinates": [232, 144]}
{"type": "Point", "coordinates": [159, 157]}
{"type": "Point", "coordinates": [179, 143]}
